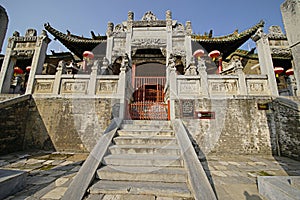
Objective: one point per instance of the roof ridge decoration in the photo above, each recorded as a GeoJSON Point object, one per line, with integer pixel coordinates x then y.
{"type": "Point", "coordinates": [276, 33]}
{"type": "Point", "coordinates": [233, 36]}
{"type": "Point", "coordinates": [149, 16]}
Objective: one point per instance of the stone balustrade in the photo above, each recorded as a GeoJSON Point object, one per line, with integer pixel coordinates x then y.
{"type": "Point", "coordinates": [225, 86]}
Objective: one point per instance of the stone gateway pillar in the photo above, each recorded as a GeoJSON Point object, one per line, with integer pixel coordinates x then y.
{"type": "Point", "coordinates": [265, 59]}
{"type": "Point", "coordinates": [290, 10]}
{"type": "Point", "coordinates": [30, 47]}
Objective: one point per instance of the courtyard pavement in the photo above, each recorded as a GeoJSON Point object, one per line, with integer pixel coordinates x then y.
{"type": "Point", "coordinates": [233, 177]}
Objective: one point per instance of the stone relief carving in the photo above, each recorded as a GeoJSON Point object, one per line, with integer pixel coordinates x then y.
{"type": "Point", "coordinates": [189, 87]}
{"type": "Point", "coordinates": [178, 29]}
{"type": "Point", "coordinates": [148, 42]}
{"type": "Point", "coordinates": [119, 28]}
{"type": "Point", "coordinates": [256, 87]}
{"type": "Point", "coordinates": [149, 16]}
{"type": "Point", "coordinates": [30, 32]}
{"type": "Point", "coordinates": [229, 87]}
{"type": "Point", "coordinates": [130, 16]}
{"type": "Point", "coordinates": [74, 87]}
{"type": "Point", "coordinates": [281, 51]}
{"type": "Point", "coordinates": [107, 87]}
{"type": "Point", "coordinates": [43, 86]}
{"type": "Point", "coordinates": [22, 52]}
{"type": "Point", "coordinates": [275, 32]}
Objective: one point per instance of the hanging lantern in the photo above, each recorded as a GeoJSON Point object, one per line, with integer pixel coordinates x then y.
{"type": "Point", "coordinates": [214, 54]}
{"type": "Point", "coordinates": [198, 53]}
{"type": "Point", "coordinates": [289, 72]}
{"type": "Point", "coordinates": [18, 70]}
{"type": "Point", "coordinates": [28, 68]}
{"type": "Point", "coordinates": [88, 54]}
{"type": "Point", "coordinates": [278, 70]}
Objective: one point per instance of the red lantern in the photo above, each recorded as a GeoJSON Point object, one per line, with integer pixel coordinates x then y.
{"type": "Point", "coordinates": [28, 68]}
{"type": "Point", "coordinates": [18, 70]}
{"type": "Point", "coordinates": [198, 53]}
{"type": "Point", "coordinates": [278, 70]}
{"type": "Point", "coordinates": [289, 72]}
{"type": "Point", "coordinates": [214, 54]}
{"type": "Point", "coordinates": [88, 54]}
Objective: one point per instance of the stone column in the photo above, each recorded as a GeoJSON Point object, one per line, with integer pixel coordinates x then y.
{"type": "Point", "coordinates": [173, 91]}
{"type": "Point", "coordinates": [122, 92]}
{"type": "Point", "coordinates": [109, 45]}
{"type": "Point", "coordinates": [37, 60]}
{"type": "Point", "coordinates": [93, 78]}
{"type": "Point", "coordinates": [242, 79]}
{"type": "Point", "coordinates": [7, 68]}
{"type": "Point", "coordinates": [129, 33]}
{"type": "Point", "coordinates": [290, 10]}
{"type": "Point", "coordinates": [203, 77]}
{"type": "Point", "coordinates": [265, 59]}
{"type": "Point", "coordinates": [188, 42]}
{"type": "Point", "coordinates": [57, 81]}
{"type": "Point", "coordinates": [169, 33]}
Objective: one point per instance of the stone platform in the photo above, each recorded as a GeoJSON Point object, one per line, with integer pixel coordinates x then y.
{"type": "Point", "coordinates": [233, 177]}
{"type": "Point", "coordinates": [11, 182]}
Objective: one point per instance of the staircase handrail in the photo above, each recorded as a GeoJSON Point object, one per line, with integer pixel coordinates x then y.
{"type": "Point", "coordinates": [86, 174]}
{"type": "Point", "coordinates": [198, 180]}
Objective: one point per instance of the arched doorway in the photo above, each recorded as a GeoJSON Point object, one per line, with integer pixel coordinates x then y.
{"type": "Point", "coordinates": [148, 100]}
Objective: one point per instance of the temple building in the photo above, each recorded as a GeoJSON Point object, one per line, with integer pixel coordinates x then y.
{"type": "Point", "coordinates": [150, 93]}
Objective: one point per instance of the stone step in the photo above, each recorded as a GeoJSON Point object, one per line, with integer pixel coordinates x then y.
{"type": "Point", "coordinates": [143, 160]}
{"type": "Point", "coordinates": [141, 140]}
{"type": "Point", "coordinates": [141, 132]}
{"type": "Point", "coordinates": [146, 122]}
{"type": "Point", "coordinates": [145, 126]}
{"type": "Point", "coordinates": [146, 149]}
{"type": "Point", "coordinates": [158, 189]}
{"type": "Point", "coordinates": [129, 173]}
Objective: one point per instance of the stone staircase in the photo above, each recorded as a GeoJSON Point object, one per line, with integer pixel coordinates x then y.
{"type": "Point", "coordinates": [145, 159]}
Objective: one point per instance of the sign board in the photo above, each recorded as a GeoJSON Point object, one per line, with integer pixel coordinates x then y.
{"type": "Point", "coordinates": [263, 106]}
{"type": "Point", "coordinates": [205, 115]}
{"type": "Point", "coordinates": [187, 108]}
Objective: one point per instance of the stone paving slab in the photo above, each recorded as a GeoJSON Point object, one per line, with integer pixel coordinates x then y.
{"type": "Point", "coordinates": [234, 177]}
{"type": "Point", "coordinates": [49, 173]}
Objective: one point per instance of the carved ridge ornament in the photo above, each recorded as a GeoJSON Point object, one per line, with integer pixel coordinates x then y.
{"type": "Point", "coordinates": [149, 42]}
{"type": "Point", "coordinates": [281, 51]}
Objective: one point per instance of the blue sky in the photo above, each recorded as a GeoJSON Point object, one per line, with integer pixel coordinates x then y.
{"type": "Point", "coordinates": [81, 17]}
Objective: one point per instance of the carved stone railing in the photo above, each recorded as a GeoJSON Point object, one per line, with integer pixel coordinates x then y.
{"type": "Point", "coordinates": [80, 84]}
{"type": "Point", "coordinates": [258, 85]}
{"type": "Point", "coordinates": [226, 86]}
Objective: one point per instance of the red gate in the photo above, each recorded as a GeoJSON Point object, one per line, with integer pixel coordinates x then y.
{"type": "Point", "coordinates": [148, 99]}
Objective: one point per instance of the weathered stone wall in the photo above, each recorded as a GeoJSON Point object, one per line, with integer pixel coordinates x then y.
{"type": "Point", "coordinates": [287, 118]}
{"type": "Point", "coordinates": [239, 127]}
{"type": "Point", "coordinates": [54, 123]}
{"type": "Point", "coordinates": [13, 119]}
{"type": "Point", "coordinates": [73, 124]}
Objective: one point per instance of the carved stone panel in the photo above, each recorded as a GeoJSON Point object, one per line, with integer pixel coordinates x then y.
{"type": "Point", "coordinates": [43, 86]}
{"type": "Point", "coordinates": [74, 86]}
{"type": "Point", "coordinates": [220, 87]}
{"type": "Point", "coordinates": [188, 87]}
{"type": "Point", "coordinates": [106, 87]}
{"type": "Point", "coordinates": [257, 87]}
